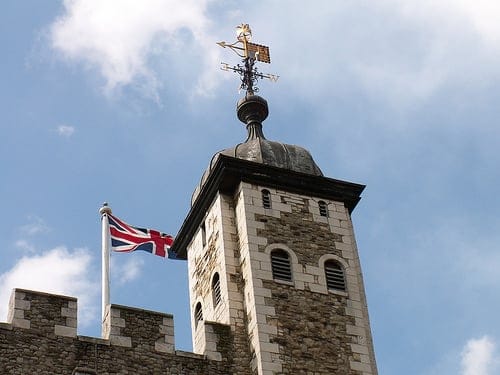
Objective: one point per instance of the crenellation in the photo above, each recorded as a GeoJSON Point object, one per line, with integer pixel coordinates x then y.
{"type": "Point", "coordinates": [143, 344]}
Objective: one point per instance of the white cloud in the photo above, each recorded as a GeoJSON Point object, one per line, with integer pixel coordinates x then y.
{"type": "Point", "coordinates": [25, 245]}
{"type": "Point", "coordinates": [65, 130]}
{"type": "Point", "coordinates": [478, 357]}
{"type": "Point", "coordinates": [126, 271]}
{"type": "Point", "coordinates": [394, 50]}
{"type": "Point", "coordinates": [35, 226]}
{"type": "Point", "coordinates": [55, 271]}
{"type": "Point", "coordinates": [119, 39]}
{"type": "Point", "coordinates": [399, 51]}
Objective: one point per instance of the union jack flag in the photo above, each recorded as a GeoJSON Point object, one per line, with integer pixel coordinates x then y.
{"type": "Point", "coordinates": [126, 238]}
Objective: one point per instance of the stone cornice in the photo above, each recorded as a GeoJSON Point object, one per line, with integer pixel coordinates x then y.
{"type": "Point", "coordinates": [226, 174]}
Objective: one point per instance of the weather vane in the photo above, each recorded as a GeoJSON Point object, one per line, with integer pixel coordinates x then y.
{"type": "Point", "coordinates": [249, 52]}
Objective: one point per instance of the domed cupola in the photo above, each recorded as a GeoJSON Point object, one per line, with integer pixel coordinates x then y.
{"type": "Point", "coordinates": [252, 110]}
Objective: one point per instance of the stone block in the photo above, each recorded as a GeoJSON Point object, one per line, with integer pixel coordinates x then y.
{"type": "Point", "coordinates": [21, 323]}
{"type": "Point", "coordinates": [121, 341]}
{"type": "Point", "coordinates": [361, 349]}
{"type": "Point", "coordinates": [64, 331]}
{"type": "Point", "coordinates": [67, 312]}
{"type": "Point", "coordinates": [363, 367]}
{"type": "Point", "coordinates": [317, 288]}
{"type": "Point", "coordinates": [353, 312]}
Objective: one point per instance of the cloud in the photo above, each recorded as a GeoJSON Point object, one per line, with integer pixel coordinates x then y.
{"type": "Point", "coordinates": [395, 51]}
{"type": "Point", "coordinates": [65, 130]}
{"type": "Point", "coordinates": [58, 270]}
{"type": "Point", "coordinates": [36, 226]}
{"type": "Point", "coordinates": [123, 40]}
{"type": "Point", "coordinates": [478, 357]}
{"type": "Point", "coordinates": [127, 271]}
{"type": "Point", "coordinates": [25, 245]}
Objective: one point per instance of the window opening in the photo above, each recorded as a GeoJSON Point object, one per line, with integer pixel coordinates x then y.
{"type": "Point", "coordinates": [323, 208]}
{"type": "Point", "coordinates": [280, 265]}
{"type": "Point", "coordinates": [203, 234]}
{"type": "Point", "coordinates": [216, 294]}
{"type": "Point", "coordinates": [334, 273]}
{"type": "Point", "coordinates": [198, 314]}
{"type": "Point", "coordinates": [266, 198]}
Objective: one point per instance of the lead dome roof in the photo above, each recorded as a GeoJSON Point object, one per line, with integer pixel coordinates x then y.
{"type": "Point", "coordinates": [252, 110]}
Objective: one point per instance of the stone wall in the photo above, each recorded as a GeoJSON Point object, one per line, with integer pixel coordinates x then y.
{"type": "Point", "coordinates": [219, 253]}
{"type": "Point", "coordinates": [40, 338]}
{"type": "Point", "coordinates": [301, 325]}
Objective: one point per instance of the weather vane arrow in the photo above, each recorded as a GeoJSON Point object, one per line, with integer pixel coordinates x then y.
{"type": "Point", "coordinates": [250, 53]}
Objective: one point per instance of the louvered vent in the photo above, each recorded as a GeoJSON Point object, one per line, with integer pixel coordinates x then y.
{"type": "Point", "coordinates": [266, 198]}
{"type": "Point", "coordinates": [216, 294]}
{"type": "Point", "coordinates": [280, 264]}
{"type": "Point", "coordinates": [323, 209]}
{"type": "Point", "coordinates": [198, 314]}
{"type": "Point", "coordinates": [334, 273]}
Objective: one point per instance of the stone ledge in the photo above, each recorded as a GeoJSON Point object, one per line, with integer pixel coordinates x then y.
{"type": "Point", "coordinates": [64, 331]}
{"type": "Point", "coordinates": [93, 340]}
{"type": "Point", "coordinates": [6, 326]}
{"type": "Point", "coordinates": [182, 353]}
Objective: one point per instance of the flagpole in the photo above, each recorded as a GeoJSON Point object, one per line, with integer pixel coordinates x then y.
{"type": "Point", "coordinates": [104, 211]}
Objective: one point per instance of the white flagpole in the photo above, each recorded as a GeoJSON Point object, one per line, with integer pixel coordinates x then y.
{"type": "Point", "coordinates": [104, 211]}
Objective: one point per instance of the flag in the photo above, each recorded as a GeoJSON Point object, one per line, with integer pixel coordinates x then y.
{"type": "Point", "coordinates": [126, 238]}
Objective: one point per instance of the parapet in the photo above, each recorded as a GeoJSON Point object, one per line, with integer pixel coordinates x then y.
{"type": "Point", "coordinates": [43, 312]}
{"type": "Point", "coordinates": [41, 335]}
{"type": "Point", "coordinates": [123, 324]}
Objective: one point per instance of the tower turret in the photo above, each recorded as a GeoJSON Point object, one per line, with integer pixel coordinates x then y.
{"type": "Point", "coordinates": [271, 253]}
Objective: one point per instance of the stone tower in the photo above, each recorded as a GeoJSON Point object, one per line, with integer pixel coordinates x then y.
{"type": "Point", "coordinates": [272, 256]}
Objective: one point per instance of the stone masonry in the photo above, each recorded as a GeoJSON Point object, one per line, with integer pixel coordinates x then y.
{"type": "Point", "coordinates": [40, 338]}
{"type": "Point", "coordinates": [244, 320]}
{"type": "Point", "coordinates": [297, 327]}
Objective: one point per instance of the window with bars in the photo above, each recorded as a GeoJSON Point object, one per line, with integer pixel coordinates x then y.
{"type": "Point", "coordinates": [203, 230]}
{"type": "Point", "coordinates": [198, 314]}
{"type": "Point", "coordinates": [216, 294]}
{"type": "Point", "coordinates": [323, 208]}
{"type": "Point", "coordinates": [335, 279]}
{"type": "Point", "coordinates": [266, 198]}
{"type": "Point", "coordinates": [280, 265]}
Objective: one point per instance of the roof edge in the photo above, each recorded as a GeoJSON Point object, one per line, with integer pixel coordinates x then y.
{"type": "Point", "coordinates": [228, 172]}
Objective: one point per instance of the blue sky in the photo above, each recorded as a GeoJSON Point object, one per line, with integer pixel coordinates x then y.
{"type": "Point", "coordinates": [124, 102]}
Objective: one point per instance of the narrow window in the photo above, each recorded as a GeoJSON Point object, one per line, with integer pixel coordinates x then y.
{"type": "Point", "coordinates": [334, 273]}
{"type": "Point", "coordinates": [203, 234]}
{"type": "Point", "coordinates": [198, 314]}
{"type": "Point", "coordinates": [216, 295]}
{"type": "Point", "coordinates": [280, 265]}
{"type": "Point", "coordinates": [323, 209]}
{"type": "Point", "coordinates": [266, 198]}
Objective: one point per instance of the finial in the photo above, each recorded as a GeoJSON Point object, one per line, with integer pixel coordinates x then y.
{"type": "Point", "coordinates": [250, 52]}
{"type": "Point", "coordinates": [105, 209]}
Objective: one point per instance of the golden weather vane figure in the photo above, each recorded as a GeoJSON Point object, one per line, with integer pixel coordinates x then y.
{"type": "Point", "coordinates": [250, 53]}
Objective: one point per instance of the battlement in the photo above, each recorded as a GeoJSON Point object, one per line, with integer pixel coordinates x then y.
{"type": "Point", "coordinates": [123, 324]}
{"type": "Point", "coordinates": [43, 312]}
{"type": "Point", "coordinates": [44, 326]}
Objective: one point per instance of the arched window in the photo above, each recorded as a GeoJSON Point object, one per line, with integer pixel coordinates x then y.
{"type": "Point", "coordinates": [335, 279]}
{"type": "Point", "coordinates": [198, 314]}
{"type": "Point", "coordinates": [280, 265]}
{"type": "Point", "coordinates": [323, 208]}
{"type": "Point", "coordinates": [266, 198]}
{"type": "Point", "coordinates": [216, 294]}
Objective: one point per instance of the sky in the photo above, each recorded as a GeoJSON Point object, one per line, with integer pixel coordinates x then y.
{"type": "Point", "coordinates": [124, 102]}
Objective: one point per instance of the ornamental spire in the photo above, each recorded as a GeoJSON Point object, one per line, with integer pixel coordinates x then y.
{"type": "Point", "coordinates": [250, 53]}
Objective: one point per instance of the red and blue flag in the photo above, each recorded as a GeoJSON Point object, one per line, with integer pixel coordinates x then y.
{"type": "Point", "coordinates": [126, 238]}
